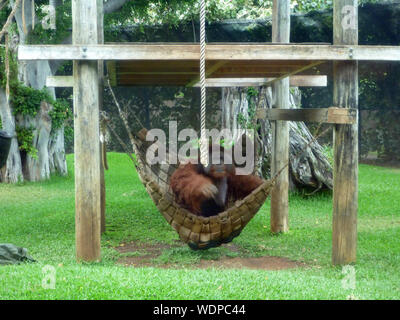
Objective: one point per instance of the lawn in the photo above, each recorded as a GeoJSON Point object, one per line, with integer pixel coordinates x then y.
{"type": "Point", "coordinates": [40, 217]}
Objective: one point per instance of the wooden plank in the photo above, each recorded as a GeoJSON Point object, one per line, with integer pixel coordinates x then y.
{"type": "Point", "coordinates": [103, 150]}
{"type": "Point", "coordinates": [218, 52]}
{"type": "Point", "coordinates": [185, 66]}
{"type": "Point", "coordinates": [270, 74]}
{"type": "Point", "coordinates": [294, 81]}
{"type": "Point", "coordinates": [280, 130]}
{"type": "Point", "coordinates": [260, 68]}
{"type": "Point", "coordinates": [345, 173]}
{"type": "Point", "coordinates": [309, 81]}
{"type": "Point", "coordinates": [154, 77]}
{"type": "Point", "coordinates": [87, 150]}
{"type": "Point", "coordinates": [294, 72]}
{"type": "Point", "coordinates": [60, 81]}
{"type": "Point", "coordinates": [331, 115]}
{"type": "Point", "coordinates": [209, 72]}
{"type": "Point", "coordinates": [152, 83]}
{"type": "Point", "coordinates": [152, 73]}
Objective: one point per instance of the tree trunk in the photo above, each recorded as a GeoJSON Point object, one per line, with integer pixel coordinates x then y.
{"type": "Point", "coordinates": [309, 167]}
{"type": "Point", "coordinates": [50, 145]}
{"type": "Point", "coordinates": [13, 170]}
{"type": "Point", "coordinates": [234, 102]}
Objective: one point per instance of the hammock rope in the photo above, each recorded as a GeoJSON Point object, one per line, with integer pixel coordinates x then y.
{"type": "Point", "coordinates": [197, 231]}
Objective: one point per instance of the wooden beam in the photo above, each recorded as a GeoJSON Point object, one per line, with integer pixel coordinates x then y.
{"type": "Point", "coordinates": [209, 72]}
{"type": "Point", "coordinates": [280, 129]}
{"type": "Point", "coordinates": [345, 173]}
{"type": "Point", "coordinates": [308, 81]}
{"type": "Point", "coordinates": [103, 149]}
{"type": "Point", "coordinates": [155, 73]}
{"type": "Point", "coordinates": [294, 81]}
{"type": "Point", "coordinates": [60, 81]}
{"type": "Point", "coordinates": [294, 72]}
{"type": "Point", "coordinates": [86, 124]}
{"type": "Point", "coordinates": [168, 52]}
{"type": "Point", "coordinates": [331, 115]}
{"type": "Point", "coordinates": [260, 69]}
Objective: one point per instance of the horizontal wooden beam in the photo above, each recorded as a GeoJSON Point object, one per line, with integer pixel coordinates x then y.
{"type": "Point", "coordinates": [295, 81]}
{"type": "Point", "coordinates": [225, 52]}
{"type": "Point", "coordinates": [294, 72]}
{"type": "Point", "coordinates": [332, 115]}
{"type": "Point", "coordinates": [60, 81]}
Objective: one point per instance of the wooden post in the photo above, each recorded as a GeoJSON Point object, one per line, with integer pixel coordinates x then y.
{"type": "Point", "coordinates": [280, 129]}
{"type": "Point", "coordinates": [345, 190]}
{"type": "Point", "coordinates": [100, 30]}
{"type": "Point", "coordinates": [86, 123]}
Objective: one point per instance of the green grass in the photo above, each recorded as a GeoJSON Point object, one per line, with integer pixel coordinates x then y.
{"type": "Point", "coordinates": [40, 217]}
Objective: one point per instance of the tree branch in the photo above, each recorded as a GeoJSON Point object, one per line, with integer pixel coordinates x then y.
{"type": "Point", "coordinates": [9, 19]}
{"type": "Point", "coordinates": [2, 5]}
{"type": "Point", "coordinates": [113, 5]}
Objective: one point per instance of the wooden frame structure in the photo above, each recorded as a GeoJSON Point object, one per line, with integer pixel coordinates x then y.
{"type": "Point", "coordinates": [146, 62]}
{"type": "Point", "coordinates": [295, 81]}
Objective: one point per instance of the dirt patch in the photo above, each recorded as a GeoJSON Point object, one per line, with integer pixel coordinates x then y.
{"type": "Point", "coordinates": [260, 263]}
{"type": "Point", "coordinates": [142, 255]}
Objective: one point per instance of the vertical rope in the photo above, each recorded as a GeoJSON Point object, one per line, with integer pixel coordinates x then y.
{"type": "Point", "coordinates": [203, 138]}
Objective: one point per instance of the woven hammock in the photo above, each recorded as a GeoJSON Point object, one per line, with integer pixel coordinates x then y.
{"type": "Point", "coordinates": [197, 231]}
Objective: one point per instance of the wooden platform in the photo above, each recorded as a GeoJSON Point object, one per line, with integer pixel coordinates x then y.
{"type": "Point", "coordinates": [186, 72]}
{"type": "Point", "coordinates": [178, 64]}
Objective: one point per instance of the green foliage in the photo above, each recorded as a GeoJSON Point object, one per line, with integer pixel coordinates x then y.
{"type": "Point", "coordinates": [63, 26]}
{"type": "Point", "coordinates": [174, 12]}
{"type": "Point", "coordinates": [26, 100]}
{"type": "Point", "coordinates": [25, 140]}
{"type": "Point", "coordinates": [60, 113]}
{"type": "Point", "coordinates": [310, 5]}
{"type": "Point", "coordinates": [13, 68]}
{"type": "Point", "coordinates": [248, 121]}
{"type": "Point", "coordinates": [328, 153]}
{"type": "Point", "coordinates": [4, 13]}
{"type": "Point", "coordinates": [69, 138]}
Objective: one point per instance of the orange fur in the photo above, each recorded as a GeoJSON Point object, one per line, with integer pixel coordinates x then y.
{"type": "Point", "coordinates": [200, 189]}
{"type": "Point", "coordinates": [191, 188]}
{"type": "Point", "coordinates": [240, 186]}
